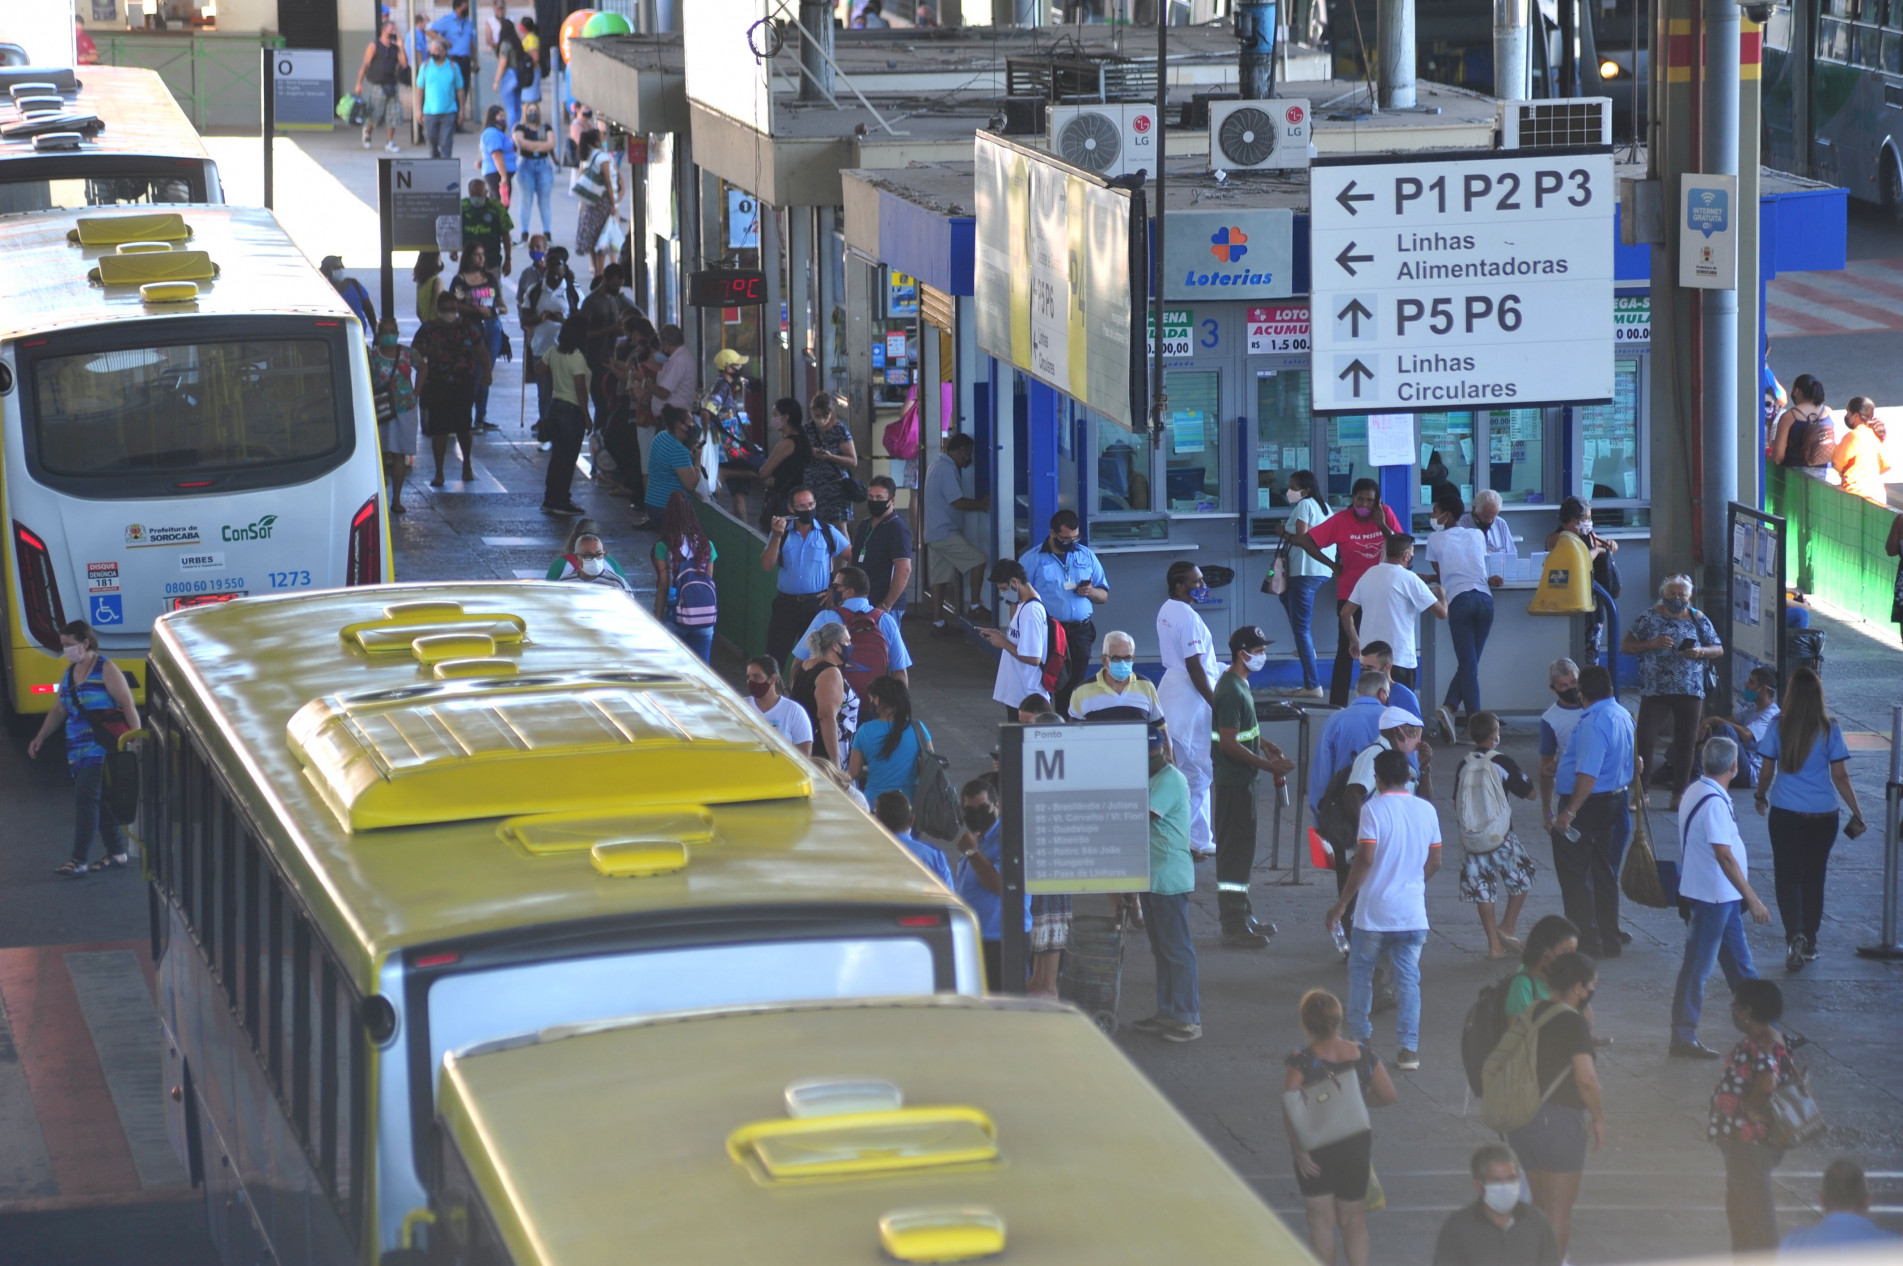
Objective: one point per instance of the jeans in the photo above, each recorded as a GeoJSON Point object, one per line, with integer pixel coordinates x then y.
{"type": "Point", "coordinates": [87, 818]}
{"type": "Point", "coordinates": [1749, 1206]}
{"type": "Point", "coordinates": [544, 392]}
{"type": "Point", "coordinates": [1298, 601]}
{"type": "Point", "coordinates": [698, 640]}
{"type": "Point", "coordinates": [1714, 935]}
{"type": "Point", "coordinates": [1800, 851]}
{"type": "Point", "coordinates": [492, 336]}
{"type": "Point", "coordinates": [1404, 953]}
{"type": "Point", "coordinates": [1588, 870]}
{"type": "Point", "coordinates": [1469, 621]}
{"type": "Point", "coordinates": [1344, 663]}
{"type": "Point", "coordinates": [534, 186]}
{"type": "Point", "coordinates": [440, 129]}
{"type": "Point", "coordinates": [1166, 919]}
{"type": "Point", "coordinates": [511, 99]}
{"type": "Point", "coordinates": [565, 428]}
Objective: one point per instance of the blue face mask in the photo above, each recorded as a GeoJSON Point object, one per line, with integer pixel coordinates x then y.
{"type": "Point", "coordinates": [1199, 595]}
{"type": "Point", "coordinates": [1750, 697]}
{"type": "Point", "coordinates": [1120, 671]}
{"type": "Point", "coordinates": [537, 256]}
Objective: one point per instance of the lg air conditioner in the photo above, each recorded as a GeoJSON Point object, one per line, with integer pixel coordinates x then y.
{"type": "Point", "coordinates": [1258, 135]}
{"type": "Point", "coordinates": [1110, 139]}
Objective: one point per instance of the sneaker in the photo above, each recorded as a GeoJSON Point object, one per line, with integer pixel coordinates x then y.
{"type": "Point", "coordinates": [1407, 1061]}
{"type": "Point", "coordinates": [1151, 1024]}
{"type": "Point", "coordinates": [1810, 949]}
{"type": "Point", "coordinates": [1795, 960]}
{"type": "Point", "coordinates": [1308, 692]}
{"type": "Point", "coordinates": [1445, 716]}
{"type": "Point", "coordinates": [393, 147]}
{"type": "Point", "coordinates": [546, 445]}
{"type": "Point", "coordinates": [1181, 1033]}
{"type": "Point", "coordinates": [1261, 927]}
{"type": "Point", "coordinates": [1242, 938]}
{"type": "Point", "coordinates": [366, 140]}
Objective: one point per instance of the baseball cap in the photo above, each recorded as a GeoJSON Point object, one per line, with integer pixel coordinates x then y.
{"type": "Point", "coordinates": [1393, 718]}
{"type": "Point", "coordinates": [727, 358]}
{"type": "Point", "coordinates": [1159, 738]}
{"type": "Point", "coordinates": [330, 262]}
{"type": "Point", "coordinates": [1247, 638]}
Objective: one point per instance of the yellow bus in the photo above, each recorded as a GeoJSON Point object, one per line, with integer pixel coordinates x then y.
{"type": "Point", "coordinates": [386, 824]}
{"type": "Point", "coordinates": [97, 136]}
{"type": "Point", "coordinates": [185, 417]}
{"type": "Point", "coordinates": [922, 1130]}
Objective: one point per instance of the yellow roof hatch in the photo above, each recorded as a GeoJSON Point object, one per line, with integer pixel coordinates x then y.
{"type": "Point", "coordinates": [620, 845]}
{"type": "Point", "coordinates": [137, 270]}
{"type": "Point", "coordinates": [864, 1144]}
{"type": "Point", "coordinates": [455, 669]}
{"type": "Point", "coordinates": [946, 1234]}
{"type": "Point", "coordinates": [143, 248]}
{"type": "Point", "coordinates": [508, 746]}
{"type": "Point", "coordinates": [403, 624]}
{"type": "Point", "coordinates": [163, 226]}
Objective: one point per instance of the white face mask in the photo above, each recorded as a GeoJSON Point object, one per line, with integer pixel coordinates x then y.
{"type": "Point", "coordinates": [73, 653]}
{"type": "Point", "coordinates": [1255, 662]}
{"type": "Point", "coordinates": [1501, 1197]}
{"type": "Point", "coordinates": [592, 567]}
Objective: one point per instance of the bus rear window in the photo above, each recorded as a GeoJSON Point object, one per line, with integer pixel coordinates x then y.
{"type": "Point", "coordinates": [75, 193]}
{"type": "Point", "coordinates": [186, 409]}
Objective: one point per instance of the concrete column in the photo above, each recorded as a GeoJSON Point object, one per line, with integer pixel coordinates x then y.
{"type": "Point", "coordinates": [1718, 142]}
{"type": "Point", "coordinates": [1255, 31]}
{"type": "Point", "coordinates": [772, 260]}
{"type": "Point", "coordinates": [1394, 54]}
{"type": "Point", "coordinates": [816, 44]}
{"type": "Point", "coordinates": [1510, 50]}
{"type": "Point", "coordinates": [799, 296]}
{"type": "Point", "coordinates": [829, 306]}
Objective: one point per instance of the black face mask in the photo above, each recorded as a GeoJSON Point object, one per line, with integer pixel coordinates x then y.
{"type": "Point", "coordinates": [1569, 696]}
{"type": "Point", "coordinates": [978, 820]}
{"type": "Point", "coordinates": [877, 508]}
{"type": "Point", "coordinates": [805, 517]}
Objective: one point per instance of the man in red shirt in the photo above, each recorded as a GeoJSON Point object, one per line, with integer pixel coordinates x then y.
{"type": "Point", "coordinates": [1358, 534]}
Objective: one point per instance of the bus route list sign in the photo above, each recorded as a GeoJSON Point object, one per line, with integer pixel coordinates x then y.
{"type": "Point", "coordinates": [1469, 280]}
{"type": "Point", "coordinates": [1086, 810]}
{"type": "Point", "coordinates": [303, 93]}
{"type": "Point", "coordinates": [423, 191]}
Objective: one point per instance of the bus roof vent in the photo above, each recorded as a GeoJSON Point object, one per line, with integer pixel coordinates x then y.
{"type": "Point", "coordinates": [143, 248]}
{"type": "Point", "coordinates": [502, 746]}
{"type": "Point", "coordinates": [169, 291]}
{"type": "Point", "coordinates": [865, 1144]}
{"type": "Point", "coordinates": [54, 142]}
{"type": "Point", "coordinates": [456, 669]}
{"type": "Point", "coordinates": [943, 1234]}
{"type": "Point", "coordinates": [31, 88]}
{"type": "Point", "coordinates": [137, 270]}
{"type": "Point", "coordinates": [101, 230]}
{"type": "Point", "coordinates": [403, 624]}
{"type": "Point", "coordinates": [838, 1096]}
{"type": "Point", "coordinates": [39, 103]}
{"type": "Point", "coordinates": [557, 834]}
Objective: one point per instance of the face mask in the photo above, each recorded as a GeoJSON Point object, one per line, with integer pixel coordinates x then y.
{"type": "Point", "coordinates": [73, 653]}
{"type": "Point", "coordinates": [1569, 696]}
{"type": "Point", "coordinates": [805, 517]}
{"type": "Point", "coordinates": [1008, 596]}
{"type": "Point", "coordinates": [1364, 512]}
{"type": "Point", "coordinates": [593, 566]}
{"type": "Point", "coordinates": [386, 340]}
{"type": "Point", "coordinates": [1255, 661]}
{"type": "Point", "coordinates": [1677, 606]}
{"type": "Point", "coordinates": [1501, 1197]}
{"type": "Point", "coordinates": [537, 257]}
{"type": "Point", "coordinates": [1585, 526]}
{"type": "Point", "coordinates": [1199, 595]}
{"type": "Point", "coordinates": [1750, 697]}
{"type": "Point", "coordinates": [1291, 495]}
{"type": "Point", "coordinates": [1120, 671]}
{"type": "Point", "coordinates": [1062, 547]}
{"type": "Point", "coordinates": [977, 820]}
{"type": "Point", "coordinates": [877, 508]}
{"type": "Point", "coordinates": [758, 689]}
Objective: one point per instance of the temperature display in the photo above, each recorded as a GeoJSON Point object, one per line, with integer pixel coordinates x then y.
{"type": "Point", "coordinates": [726, 288]}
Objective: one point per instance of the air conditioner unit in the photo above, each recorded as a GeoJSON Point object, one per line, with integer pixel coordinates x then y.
{"type": "Point", "coordinates": [1556, 124]}
{"type": "Point", "coordinates": [1258, 135]}
{"type": "Point", "coordinates": [1110, 139]}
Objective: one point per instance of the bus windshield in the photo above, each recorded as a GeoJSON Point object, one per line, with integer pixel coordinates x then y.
{"type": "Point", "coordinates": [185, 409]}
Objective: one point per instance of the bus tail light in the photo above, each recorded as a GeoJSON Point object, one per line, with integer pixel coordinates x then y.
{"type": "Point", "coordinates": [365, 565]}
{"type": "Point", "coordinates": [39, 588]}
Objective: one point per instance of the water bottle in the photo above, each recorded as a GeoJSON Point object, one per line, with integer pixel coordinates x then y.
{"type": "Point", "coordinates": [1341, 940]}
{"type": "Point", "coordinates": [1281, 790]}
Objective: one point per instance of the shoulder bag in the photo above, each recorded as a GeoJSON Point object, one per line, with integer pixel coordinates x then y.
{"type": "Point", "coordinates": [1276, 582]}
{"type": "Point", "coordinates": [934, 800]}
{"type": "Point", "coordinates": [1794, 1117]}
{"type": "Point", "coordinates": [1327, 1111]}
{"type": "Point", "coordinates": [119, 787]}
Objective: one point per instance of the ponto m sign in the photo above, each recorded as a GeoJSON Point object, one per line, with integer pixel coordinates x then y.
{"type": "Point", "coordinates": [1708, 232]}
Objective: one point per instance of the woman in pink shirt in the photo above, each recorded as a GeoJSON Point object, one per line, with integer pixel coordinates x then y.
{"type": "Point", "coordinates": [1358, 534]}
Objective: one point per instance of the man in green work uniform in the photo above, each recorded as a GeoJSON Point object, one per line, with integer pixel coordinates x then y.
{"type": "Point", "coordinates": [1238, 756]}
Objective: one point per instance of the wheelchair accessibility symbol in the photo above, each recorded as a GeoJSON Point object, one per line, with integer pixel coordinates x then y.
{"type": "Point", "coordinates": [108, 608]}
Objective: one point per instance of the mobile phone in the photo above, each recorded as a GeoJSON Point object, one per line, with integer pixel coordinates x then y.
{"type": "Point", "coordinates": [1687, 644]}
{"type": "Point", "coordinates": [1854, 828]}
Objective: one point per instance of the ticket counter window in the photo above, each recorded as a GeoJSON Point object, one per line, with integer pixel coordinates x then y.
{"type": "Point", "coordinates": [1284, 431]}
{"type": "Point", "coordinates": [1447, 453]}
{"type": "Point", "coordinates": [1608, 466]}
{"type": "Point", "coordinates": [1123, 470]}
{"type": "Point", "coordinates": [1192, 467]}
{"type": "Point", "coordinates": [1347, 456]}
{"type": "Point", "coordinates": [1516, 455]}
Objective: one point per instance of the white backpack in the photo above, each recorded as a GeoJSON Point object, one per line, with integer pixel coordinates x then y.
{"type": "Point", "coordinates": [1481, 805]}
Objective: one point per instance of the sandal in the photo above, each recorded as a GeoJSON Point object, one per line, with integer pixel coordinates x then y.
{"type": "Point", "coordinates": [71, 869]}
{"type": "Point", "coordinates": [111, 860]}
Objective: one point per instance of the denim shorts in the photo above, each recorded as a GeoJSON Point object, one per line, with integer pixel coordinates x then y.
{"type": "Point", "coordinates": [1554, 1142]}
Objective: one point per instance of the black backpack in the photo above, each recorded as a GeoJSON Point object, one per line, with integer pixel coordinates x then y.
{"type": "Point", "coordinates": [1481, 1031]}
{"type": "Point", "coordinates": [1338, 814]}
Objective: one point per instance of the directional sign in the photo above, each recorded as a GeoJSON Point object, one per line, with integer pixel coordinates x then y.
{"type": "Point", "coordinates": [1476, 280]}
{"type": "Point", "coordinates": [422, 191]}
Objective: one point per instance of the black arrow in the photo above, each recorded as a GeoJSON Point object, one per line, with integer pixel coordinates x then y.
{"type": "Point", "coordinates": [1348, 261]}
{"type": "Point", "coordinates": [1359, 371]}
{"type": "Point", "coordinates": [1356, 313]}
{"type": "Point", "coordinates": [1348, 197]}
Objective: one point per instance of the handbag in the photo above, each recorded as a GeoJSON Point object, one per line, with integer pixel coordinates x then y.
{"type": "Point", "coordinates": [589, 185]}
{"type": "Point", "coordinates": [1327, 1111]}
{"type": "Point", "coordinates": [1795, 1118]}
{"type": "Point", "coordinates": [119, 783]}
{"type": "Point", "coordinates": [1276, 582]}
{"type": "Point", "coordinates": [1639, 878]}
{"type": "Point", "coordinates": [935, 800]}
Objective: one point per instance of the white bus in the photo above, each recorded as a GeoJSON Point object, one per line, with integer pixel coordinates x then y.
{"type": "Point", "coordinates": [99, 136]}
{"type": "Point", "coordinates": [157, 452]}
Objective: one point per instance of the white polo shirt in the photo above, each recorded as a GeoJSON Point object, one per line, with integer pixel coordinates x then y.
{"type": "Point", "coordinates": [1701, 825]}
{"type": "Point", "coordinates": [1027, 634]}
{"type": "Point", "coordinates": [1404, 829]}
{"type": "Point", "coordinates": [1461, 555]}
{"type": "Point", "coordinates": [1391, 599]}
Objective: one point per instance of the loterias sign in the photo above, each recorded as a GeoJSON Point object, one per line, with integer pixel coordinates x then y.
{"type": "Point", "coordinates": [1229, 254]}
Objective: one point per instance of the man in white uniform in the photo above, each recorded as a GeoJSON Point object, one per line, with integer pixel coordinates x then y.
{"type": "Point", "coordinates": [1187, 693]}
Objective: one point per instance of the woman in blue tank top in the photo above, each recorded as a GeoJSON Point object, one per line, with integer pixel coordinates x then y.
{"type": "Point", "coordinates": [92, 684]}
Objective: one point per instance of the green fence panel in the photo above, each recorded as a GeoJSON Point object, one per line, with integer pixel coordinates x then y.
{"type": "Point", "coordinates": [214, 78]}
{"type": "Point", "coordinates": [746, 592]}
{"type": "Point", "coordinates": [1834, 543]}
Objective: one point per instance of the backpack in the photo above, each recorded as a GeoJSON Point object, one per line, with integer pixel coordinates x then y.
{"type": "Point", "coordinates": [1510, 1090]}
{"type": "Point", "coordinates": [935, 802]}
{"type": "Point", "coordinates": [524, 67]}
{"type": "Point", "coordinates": [1486, 1022]}
{"type": "Point", "coordinates": [871, 657]}
{"type": "Point", "coordinates": [1056, 666]}
{"type": "Point", "coordinates": [1480, 804]}
{"type": "Point", "coordinates": [696, 602]}
{"type": "Point", "coordinates": [1338, 814]}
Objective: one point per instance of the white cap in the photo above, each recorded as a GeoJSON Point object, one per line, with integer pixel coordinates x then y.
{"type": "Point", "coordinates": [1394, 718]}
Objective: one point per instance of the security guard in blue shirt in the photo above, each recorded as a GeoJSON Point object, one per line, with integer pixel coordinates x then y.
{"type": "Point", "coordinates": [1595, 773]}
{"type": "Point", "coordinates": [1070, 583]}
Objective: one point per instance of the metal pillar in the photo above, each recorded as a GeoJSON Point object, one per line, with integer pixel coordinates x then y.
{"type": "Point", "coordinates": [773, 263]}
{"type": "Point", "coordinates": [816, 46]}
{"type": "Point", "coordinates": [1255, 30]}
{"type": "Point", "coordinates": [1510, 49]}
{"type": "Point", "coordinates": [799, 297]}
{"type": "Point", "coordinates": [1718, 152]}
{"type": "Point", "coordinates": [1394, 55]}
{"type": "Point", "coordinates": [1886, 947]}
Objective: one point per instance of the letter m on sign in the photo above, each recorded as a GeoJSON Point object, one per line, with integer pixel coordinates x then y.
{"type": "Point", "coordinates": [1048, 766]}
